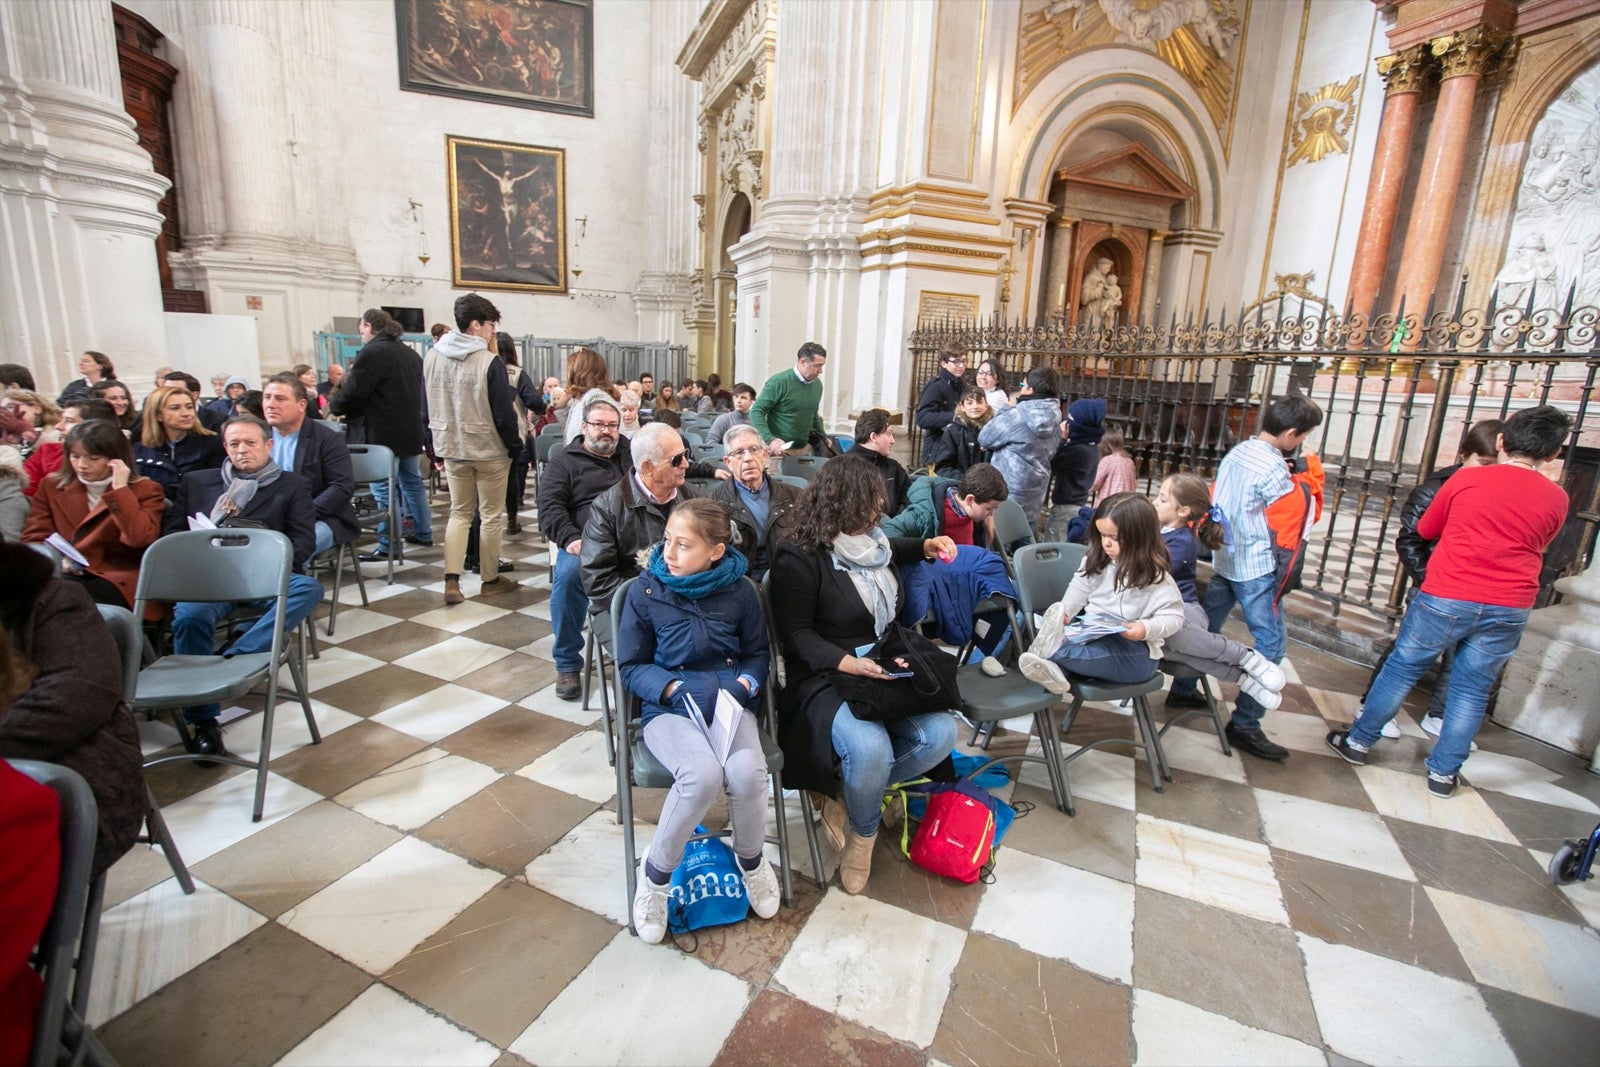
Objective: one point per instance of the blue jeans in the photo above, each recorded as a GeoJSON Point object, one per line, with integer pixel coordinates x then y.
{"type": "Point", "coordinates": [324, 537]}
{"type": "Point", "coordinates": [413, 501]}
{"type": "Point", "coordinates": [1109, 659]}
{"type": "Point", "coordinates": [1262, 615]}
{"type": "Point", "coordinates": [873, 754]}
{"type": "Point", "coordinates": [568, 606]}
{"type": "Point", "coordinates": [194, 625]}
{"type": "Point", "coordinates": [1483, 637]}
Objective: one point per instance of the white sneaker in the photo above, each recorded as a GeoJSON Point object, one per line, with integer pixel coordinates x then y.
{"type": "Point", "coordinates": [1391, 730]}
{"type": "Point", "coordinates": [1044, 672]}
{"type": "Point", "coordinates": [1262, 669]}
{"type": "Point", "coordinates": [1051, 627]}
{"type": "Point", "coordinates": [1252, 687]}
{"type": "Point", "coordinates": [650, 909]}
{"type": "Point", "coordinates": [1434, 725]}
{"type": "Point", "coordinates": [761, 887]}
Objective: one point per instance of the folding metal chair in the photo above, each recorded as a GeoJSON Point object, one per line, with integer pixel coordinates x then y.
{"type": "Point", "coordinates": [808, 815]}
{"type": "Point", "coordinates": [803, 467]}
{"type": "Point", "coordinates": [710, 453]}
{"type": "Point", "coordinates": [1173, 669]}
{"type": "Point", "coordinates": [596, 657]}
{"type": "Point", "coordinates": [789, 479]}
{"type": "Point", "coordinates": [1011, 529]}
{"type": "Point", "coordinates": [213, 566]}
{"type": "Point", "coordinates": [371, 463]}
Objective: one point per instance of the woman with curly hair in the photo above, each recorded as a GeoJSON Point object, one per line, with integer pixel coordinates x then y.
{"type": "Point", "coordinates": [834, 592]}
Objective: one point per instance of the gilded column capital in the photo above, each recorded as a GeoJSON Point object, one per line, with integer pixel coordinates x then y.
{"type": "Point", "coordinates": [1405, 71]}
{"type": "Point", "coordinates": [1471, 51]}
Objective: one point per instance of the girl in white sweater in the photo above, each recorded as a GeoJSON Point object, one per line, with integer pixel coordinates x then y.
{"type": "Point", "coordinates": [1126, 592]}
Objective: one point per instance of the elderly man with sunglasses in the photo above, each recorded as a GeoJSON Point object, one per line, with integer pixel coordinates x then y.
{"type": "Point", "coordinates": [753, 499]}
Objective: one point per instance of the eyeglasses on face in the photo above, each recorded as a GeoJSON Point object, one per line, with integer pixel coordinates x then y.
{"type": "Point", "coordinates": [603, 427]}
{"type": "Point", "coordinates": [746, 451]}
{"type": "Point", "coordinates": [679, 460]}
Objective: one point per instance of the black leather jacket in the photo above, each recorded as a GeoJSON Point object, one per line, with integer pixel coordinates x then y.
{"type": "Point", "coordinates": [1413, 549]}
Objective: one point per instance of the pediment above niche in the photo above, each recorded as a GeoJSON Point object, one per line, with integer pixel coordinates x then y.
{"type": "Point", "coordinates": [1130, 171]}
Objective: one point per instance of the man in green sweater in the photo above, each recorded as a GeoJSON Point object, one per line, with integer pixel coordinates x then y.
{"type": "Point", "coordinates": [785, 413]}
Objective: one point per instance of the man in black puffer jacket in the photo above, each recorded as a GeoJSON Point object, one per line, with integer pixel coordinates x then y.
{"type": "Point", "coordinates": [936, 407]}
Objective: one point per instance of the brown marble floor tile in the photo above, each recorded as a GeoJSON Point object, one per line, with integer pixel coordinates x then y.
{"type": "Point", "coordinates": [1327, 672]}
{"type": "Point", "coordinates": [393, 642]}
{"type": "Point", "coordinates": [357, 752]}
{"type": "Point", "coordinates": [281, 866]}
{"type": "Point", "coordinates": [1538, 826]}
{"type": "Point", "coordinates": [510, 739]}
{"type": "Point", "coordinates": [377, 690]}
{"type": "Point", "coordinates": [1099, 839]}
{"type": "Point", "coordinates": [511, 677]}
{"type": "Point", "coordinates": [510, 631]}
{"type": "Point", "coordinates": [249, 1004]}
{"type": "Point", "coordinates": [1303, 774]}
{"type": "Point", "coordinates": [753, 949]}
{"type": "Point", "coordinates": [1385, 916]}
{"type": "Point", "coordinates": [140, 868]}
{"type": "Point", "coordinates": [172, 782]}
{"type": "Point", "coordinates": [1477, 867]}
{"type": "Point", "coordinates": [497, 965]}
{"type": "Point", "coordinates": [519, 596]}
{"type": "Point", "coordinates": [510, 1059]}
{"type": "Point", "coordinates": [1007, 1005]}
{"type": "Point", "coordinates": [507, 824]}
{"type": "Point", "coordinates": [896, 880]}
{"type": "Point", "coordinates": [1201, 800]}
{"type": "Point", "coordinates": [778, 1030]}
{"type": "Point", "coordinates": [1248, 970]}
{"type": "Point", "coordinates": [405, 605]}
{"type": "Point", "coordinates": [1541, 1033]}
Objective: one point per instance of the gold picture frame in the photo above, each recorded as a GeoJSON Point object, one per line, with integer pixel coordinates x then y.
{"type": "Point", "coordinates": [508, 216]}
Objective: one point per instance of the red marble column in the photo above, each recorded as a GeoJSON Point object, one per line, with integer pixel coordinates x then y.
{"type": "Point", "coordinates": [1404, 74]}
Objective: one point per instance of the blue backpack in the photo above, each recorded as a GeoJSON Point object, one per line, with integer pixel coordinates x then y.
{"type": "Point", "coordinates": [707, 887]}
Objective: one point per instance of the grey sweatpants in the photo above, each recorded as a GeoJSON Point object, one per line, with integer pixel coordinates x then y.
{"type": "Point", "coordinates": [1196, 646]}
{"type": "Point", "coordinates": [697, 779]}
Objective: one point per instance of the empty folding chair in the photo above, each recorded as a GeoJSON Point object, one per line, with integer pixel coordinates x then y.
{"type": "Point", "coordinates": [1011, 528]}
{"type": "Point", "coordinates": [802, 466]}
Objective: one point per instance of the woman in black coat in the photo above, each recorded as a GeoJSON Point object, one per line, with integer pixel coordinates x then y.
{"type": "Point", "coordinates": [834, 591]}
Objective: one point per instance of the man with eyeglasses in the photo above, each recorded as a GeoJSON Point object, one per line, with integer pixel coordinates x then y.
{"type": "Point", "coordinates": [573, 478]}
{"type": "Point", "coordinates": [754, 499]}
{"type": "Point", "coordinates": [936, 407]}
{"type": "Point", "coordinates": [786, 412]}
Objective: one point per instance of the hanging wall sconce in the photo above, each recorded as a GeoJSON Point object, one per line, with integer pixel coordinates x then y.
{"type": "Point", "coordinates": [423, 254]}
{"type": "Point", "coordinates": [583, 231]}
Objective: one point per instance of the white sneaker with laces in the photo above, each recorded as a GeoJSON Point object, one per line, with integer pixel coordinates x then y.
{"type": "Point", "coordinates": [1434, 726]}
{"type": "Point", "coordinates": [650, 909]}
{"type": "Point", "coordinates": [761, 887]}
{"type": "Point", "coordinates": [1391, 729]}
{"type": "Point", "coordinates": [1044, 672]}
{"type": "Point", "coordinates": [1252, 687]}
{"type": "Point", "coordinates": [1262, 669]}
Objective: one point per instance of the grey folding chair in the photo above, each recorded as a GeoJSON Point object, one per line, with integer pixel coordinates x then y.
{"type": "Point", "coordinates": [370, 463]}
{"type": "Point", "coordinates": [1173, 669]}
{"type": "Point", "coordinates": [789, 479]}
{"type": "Point", "coordinates": [711, 452]}
{"type": "Point", "coordinates": [229, 565]}
{"type": "Point", "coordinates": [1011, 528]}
{"type": "Point", "coordinates": [807, 811]}
{"type": "Point", "coordinates": [597, 659]}
{"type": "Point", "coordinates": [804, 467]}
{"type": "Point", "coordinates": [129, 636]}
{"type": "Point", "coordinates": [637, 767]}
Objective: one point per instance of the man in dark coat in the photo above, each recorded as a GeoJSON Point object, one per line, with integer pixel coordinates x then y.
{"type": "Point", "coordinates": [753, 499]}
{"type": "Point", "coordinates": [381, 402]}
{"type": "Point", "coordinates": [936, 407]}
{"type": "Point", "coordinates": [316, 452]}
{"type": "Point", "coordinates": [248, 491]}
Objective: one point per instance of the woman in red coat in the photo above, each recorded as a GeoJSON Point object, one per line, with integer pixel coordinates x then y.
{"type": "Point", "coordinates": [109, 514]}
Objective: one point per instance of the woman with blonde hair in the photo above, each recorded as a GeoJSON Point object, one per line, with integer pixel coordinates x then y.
{"type": "Point", "coordinates": [172, 441]}
{"type": "Point", "coordinates": [28, 420]}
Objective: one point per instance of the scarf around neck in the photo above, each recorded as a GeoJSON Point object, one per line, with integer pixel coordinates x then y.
{"type": "Point", "coordinates": [240, 489]}
{"type": "Point", "coordinates": [865, 558]}
{"type": "Point", "coordinates": [727, 570]}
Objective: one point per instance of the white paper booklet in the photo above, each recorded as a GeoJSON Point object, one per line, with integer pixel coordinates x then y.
{"type": "Point", "coordinates": [66, 548]}
{"type": "Point", "coordinates": [724, 721]}
{"type": "Point", "coordinates": [198, 521]}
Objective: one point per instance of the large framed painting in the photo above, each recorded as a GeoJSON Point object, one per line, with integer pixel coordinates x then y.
{"type": "Point", "coordinates": [527, 53]}
{"type": "Point", "coordinates": [508, 216]}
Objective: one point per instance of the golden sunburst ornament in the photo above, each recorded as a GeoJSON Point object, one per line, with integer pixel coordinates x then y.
{"type": "Point", "coordinates": [1322, 122]}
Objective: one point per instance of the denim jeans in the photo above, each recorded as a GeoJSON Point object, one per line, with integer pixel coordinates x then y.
{"type": "Point", "coordinates": [568, 606]}
{"type": "Point", "coordinates": [413, 501]}
{"type": "Point", "coordinates": [1261, 614]}
{"type": "Point", "coordinates": [324, 537]}
{"type": "Point", "coordinates": [1483, 637]}
{"type": "Point", "coordinates": [194, 625]}
{"type": "Point", "coordinates": [1108, 659]}
{"type": "Point", "coordinates": [873, 754]}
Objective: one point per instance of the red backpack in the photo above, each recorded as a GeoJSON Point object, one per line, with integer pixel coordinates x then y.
{"type": "Point", "coordinates": [957, 832]}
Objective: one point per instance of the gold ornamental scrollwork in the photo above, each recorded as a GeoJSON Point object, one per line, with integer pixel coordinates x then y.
{"type": "Point", "coordinates": [1472, 51]}
{"type": "Point", "coordinates": [1406, 71]}
{"type": "Point", "coordinates": [1323, 118]}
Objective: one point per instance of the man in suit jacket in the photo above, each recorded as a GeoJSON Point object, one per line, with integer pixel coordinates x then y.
{"type": "Point", "coordinates": [249, 491]}
{"type": "Point", "coordinates": [381, 403]}
{"type": "Point", "coordinates": [315, 451]}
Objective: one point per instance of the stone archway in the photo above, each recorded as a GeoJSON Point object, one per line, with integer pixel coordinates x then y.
{"type": "Point", "coordinates": [735, 224]}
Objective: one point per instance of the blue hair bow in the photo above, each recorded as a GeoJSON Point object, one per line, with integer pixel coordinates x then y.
{"type": "Point", "coordinates": [1216, 516]}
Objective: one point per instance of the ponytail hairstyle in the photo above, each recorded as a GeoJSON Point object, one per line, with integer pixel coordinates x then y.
{"type": "Point", "coordinates": [1190, 492]}
{"type": "Point", "coordinates": [1143, 559]}
{"type": "Point", "coordinates": [709, 518]}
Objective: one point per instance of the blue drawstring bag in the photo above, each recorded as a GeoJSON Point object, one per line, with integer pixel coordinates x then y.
{"type": "Point", "coordinates": [995, 776]}
{"type": "Point", "coordinates": [707, 888]}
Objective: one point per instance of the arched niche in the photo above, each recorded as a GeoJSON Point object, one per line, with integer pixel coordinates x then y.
{"type": "Point", "coordinates": [735, 224]}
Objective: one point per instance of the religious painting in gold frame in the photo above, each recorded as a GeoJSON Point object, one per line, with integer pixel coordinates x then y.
{"type": "Point", "coordinates": [508, 216]}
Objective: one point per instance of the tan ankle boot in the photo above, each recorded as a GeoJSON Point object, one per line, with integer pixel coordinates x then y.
{"type": "Point", "coordinates": [452, 589]}
{"type": "Point", "coordinates": [856, 864]}
{"type": "Point", "coordinates": [833, 818]}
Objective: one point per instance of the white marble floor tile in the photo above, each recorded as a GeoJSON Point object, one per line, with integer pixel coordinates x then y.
{"type": "Point", "coordinates": [440, 712]}
{"type": "Point", "coordinates": [1523, 778]}
{"type": "Point", "coordinates": [381, 1028]}
{"type": "Point", "coordinates": [1303, 733]}
{"type": "Point", "coordinates": [417, 789]}
{"type": "Point", "coordinates": [353, 623]}
{"type": "Point", "coordinates": [1200, 751]}
{"type": "Point", "coordinates": [1339, 709]}
{"type": "Point", "coordinates": [1378, 1010]}
{"type": "Point", "coordinates": [1061, 912]}
{"type": "Point", "coordinates": [1106, 777]}
{"type": "Point", "coordinates": [453, 658]}
{"type": "Point", "coordinates": [1289, 671]}
{"type": "Point", "coordinates": [218, 816]}
{"type": "Point", "coordinates": [539, 609]}
{"type": "Point", "coordinates": [1330, 832]}
{"type": "Point", "coordinates": [336, 665]}
{"type": "Point", "coordinates": [578, 766]}
{"type": "Point", "coordinates": [1404, 795]}
{"type": "Point", "coordinates": [1170, 1032]}
{"type": "Point", "coordinates": [1208, 867]}
{"type": "Point", "coordinates": [289, 730]}
{"type": "Point", "coordinates": [378, 588]}
{"type": "Point", "coordinates": [158, 936]}
{"type": "Point", "coordinates": [1533, 955]}
{"type": "Point", "coordinates": [380, 911]}
{"type": "Point", "coordinates": [585, 867]}
{"type": "Point", "coordinates": [459, 618]}
{"type": "Point", "coordinates": [155, 734]}
{"type": "Point", "coordinates": [1585, 896]}
{"type": "Point", "coordinates": [544, 648]}
{"type": "Point", "coordinates": [704, 1005]}
{"type": "Point", "coordinates": [545, 702]}
{"type": "Point", "coordinates": [843, 961]}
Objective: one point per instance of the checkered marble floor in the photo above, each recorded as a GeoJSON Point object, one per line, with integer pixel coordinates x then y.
{"type": "Point", "coordinates": [440, 881]}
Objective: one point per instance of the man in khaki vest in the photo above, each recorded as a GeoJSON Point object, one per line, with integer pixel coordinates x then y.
{"type": "Point", "coordinates": [473, 421]}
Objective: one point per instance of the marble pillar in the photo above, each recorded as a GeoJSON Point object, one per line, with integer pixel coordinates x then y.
{"type": "Point", "coordinates": [664, 293]}
{"type": "Point", "coordinates": [1056, 278]}
{"type": "Point", "coordinates": [1404, 74]}
{"type": "Point", "coordinates": [1550, 684]}
{"type": "Point", "coordinates": [1150, 292]}
{"type": "Point", "coordinates": [78, 197]}
{"type": "Point", "coordinates": [1463, 59]}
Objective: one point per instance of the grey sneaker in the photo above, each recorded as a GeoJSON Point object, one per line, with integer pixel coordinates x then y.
{"type": "Point", "coordinates": [1044, 672]}
{"type": "Point", "coordinates": [650, 909]}
{"type": "Point", "coordinates": [1339, 741]}
{"type": "Point", "coordinates": [1443, 785]}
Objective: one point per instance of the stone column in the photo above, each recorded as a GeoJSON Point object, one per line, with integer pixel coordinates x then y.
{"type": "Point", "coordinates": [1463, 59]}
{"type": "Point", "coordinates": [1150, 292]}
{"type": "Point", "coordinates": [78, 198]}
{"type": "Point", "coordinates": [1549, 686]}
{"type": "Point", "coordinates": [1056, 300]}
{"type": "Point", "coordinates": [663, 294]}
{"type": "Point", "coordinates": [1404, 74]}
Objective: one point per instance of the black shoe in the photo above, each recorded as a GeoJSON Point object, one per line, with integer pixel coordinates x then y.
{"type": "Point", "coordinates": [375, 556]}
{"type": "Point", "coordinates": [1339, 741]}
{"type": "Point", "coordinates": [513, 527]}
{"type": "Point", "coordinates": [568, 687]}
{"type": "Point", "coordinates": [506, 567]}
{"type": "Point", "coordinates": [1443, 785]}
{"type": "Point", "coordinates": [1191, 699]}
{"type": "Point", "coordinates": [469, 565]}
{"type": "Point", "coordinates": [207, 741]}
{"type": "Point", "coordinates": [412, 539]}
{"type": "Point", "coordinates": [1256, 743]}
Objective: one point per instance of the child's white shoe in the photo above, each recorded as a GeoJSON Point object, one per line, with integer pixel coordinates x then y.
{"type": "Point", "coordinates": [1267, 698]}
{"type": "Point", "coordinates": [992, 667]}
{"type": "Point", "coordinates": [761, 889]}
{"type": "Point", "coordinates": [1262, 669]}
{"type": "Point", "coordinates": [1051, 627]}
{"type": "Point", "coordinates": [1044, 672]}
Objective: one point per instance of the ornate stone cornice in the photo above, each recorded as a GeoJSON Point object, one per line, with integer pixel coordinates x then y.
{"type": "Point", "coordinates": [1472, 51]}
{"type": "Point", "coordinates": [1405, 71]}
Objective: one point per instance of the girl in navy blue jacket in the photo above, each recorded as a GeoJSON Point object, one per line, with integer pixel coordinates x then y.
{"type": "Point", "coordinates": [692, 627]}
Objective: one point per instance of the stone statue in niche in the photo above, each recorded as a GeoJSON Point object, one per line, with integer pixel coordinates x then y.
{"type": "Point", "coordinates": [1100, 296]}
{"type": "Point", "coordinates": [1555, 232]}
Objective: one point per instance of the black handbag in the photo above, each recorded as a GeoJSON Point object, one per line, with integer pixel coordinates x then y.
{"type": "Point", "coordinates": [931, 687]}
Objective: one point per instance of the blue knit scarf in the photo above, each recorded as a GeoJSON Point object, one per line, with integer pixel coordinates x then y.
{"type": "Point", "coordinates": [727, 570]}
